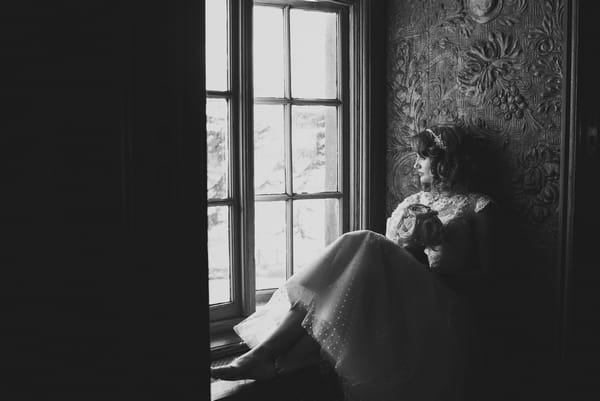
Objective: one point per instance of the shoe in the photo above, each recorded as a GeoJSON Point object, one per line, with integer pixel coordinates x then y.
{"type": "Point", "coordinates": [255, 364]}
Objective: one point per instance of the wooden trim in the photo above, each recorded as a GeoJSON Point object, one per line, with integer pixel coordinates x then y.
{"type": "Point", "coordinates": [297, 101]}
{"type": "Point", "coordinates": [358, 111]}
{"type": "Point", "coordinates": [220, 202]}
{"type": "Point", "coordinates": [569, 129]}
{"type": "Point", "coordinates": [246, 133]}
{"type": "Point", "coordinates": [223, 311]}
{"type": "Point", "coordinates": [245, 102]}
{"type": "Point", "coordinates": [322, 5]}
{"type": "Point", "coordinates": [233, 307]}
{"type": "Point", "coordinates": [284, 197]}
{"type": "Point", "coordinates": [224, 325]}
{"type": "Point", "coordinates": [344, 118]}
{"type": "Point", "coordinates": [219, 94]}
{"type": "Point", "coordinates": [264, 295]}
{"type": "Point", "coordinates": [288, 151]}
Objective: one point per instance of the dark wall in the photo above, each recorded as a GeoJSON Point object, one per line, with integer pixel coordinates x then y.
{"type": "Point", "coordinates": [582, 345]}
{"type": "Point", "coordinates": [498, 72]}
{"type": "Point", "coordinates": [103, 274]}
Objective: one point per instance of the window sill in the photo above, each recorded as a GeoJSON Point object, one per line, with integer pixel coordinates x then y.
{"type": "Point", "coordinates": [226, 343]}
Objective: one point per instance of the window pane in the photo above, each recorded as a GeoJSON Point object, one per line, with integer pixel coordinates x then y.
{"type": "Point", "coordinates": [313, 54]}
{"type": "Point", "coordinates": [270, 244]}
{"type": "Point", "coordinates": [316, 225]}
{"type": "Point", "coordinates": [268, 51]}
{"type": "Point", "coordinates": [219, 274]}
{"type": "Point", "coordinates": [216, 45]}
{"type": "Point", "coordinates": [315, 148]}
{"type": "Point", "coordinates": [217, 148]}
{"type": "Point", "coordinates": [269, 165]}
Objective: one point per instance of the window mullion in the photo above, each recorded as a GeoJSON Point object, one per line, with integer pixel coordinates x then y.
{"type": "Point", "coordinates": [221, 202]}
{"type": "Point", "coordinates": [235, 126]}
{"type": "Point", "coordinates": [246, 135]}
{"type": "Point", "coordinates": [289, 232]}
{"type": "Point", "coordinates": [287, 54]}
{"type": "Point", "coordinates": [289, 189]}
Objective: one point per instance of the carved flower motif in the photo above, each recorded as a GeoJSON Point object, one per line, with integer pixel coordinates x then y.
{"type": "Point", "coordinates": [491, 61]}
{"type": "Point", "coordinates": [510, 103]}
{"type": "Point", "coordinates": [536, 182]}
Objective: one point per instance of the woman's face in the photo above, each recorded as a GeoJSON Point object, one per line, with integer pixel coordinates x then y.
{"type": "Point", "coordinates": [423, 168]}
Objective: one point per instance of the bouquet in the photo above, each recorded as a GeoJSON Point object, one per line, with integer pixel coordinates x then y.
{"type": "Point", "coordinates": [419, 227]}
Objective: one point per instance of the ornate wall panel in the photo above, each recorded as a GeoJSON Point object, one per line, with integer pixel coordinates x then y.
{"type": "Point", "coordinates": [495, 67]}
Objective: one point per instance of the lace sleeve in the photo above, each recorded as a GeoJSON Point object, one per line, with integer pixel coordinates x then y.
{"type": "Point", "coordinates": [394, 221]}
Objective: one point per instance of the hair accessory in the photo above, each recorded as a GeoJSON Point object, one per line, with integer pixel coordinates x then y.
{"type": "Point", "coordinates": [437, 138]}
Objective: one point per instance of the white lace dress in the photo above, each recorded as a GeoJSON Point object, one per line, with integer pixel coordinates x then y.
{"type": "Point", "coordinates": [385, 320]}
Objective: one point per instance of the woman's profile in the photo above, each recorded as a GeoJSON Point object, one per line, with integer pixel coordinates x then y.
{"type": "Point", "coordinates": [377, 306]}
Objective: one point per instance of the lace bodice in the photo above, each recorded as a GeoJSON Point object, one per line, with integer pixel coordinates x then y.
{"type": "Point", "coordinates": [455, 211]}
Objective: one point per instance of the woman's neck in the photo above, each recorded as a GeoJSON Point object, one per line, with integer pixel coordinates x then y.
{"type": "Point", "coordinates": [436, 191]}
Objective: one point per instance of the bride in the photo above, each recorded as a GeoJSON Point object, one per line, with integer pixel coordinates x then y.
{"type": "Point", "coordinates": [378, 307]}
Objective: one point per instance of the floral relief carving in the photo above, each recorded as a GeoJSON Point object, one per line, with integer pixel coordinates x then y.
{"type": "Point", "coordinates": [493, 74]}
{"type": "Point", "coordinates": [498, 62]}
{"type": "Point", "coordinates": [536, 183]}
{"type": "Point", "coordinates": [444, 107]}
{"type": "Point", "coordinates": [510, 19]}
{"type": "Point", "coordinates": [407, 85]}
{"type": "Point", "coordinates": [491, 63]}
{"type": "Point", "coordinates": [483, 11]}
{"type": "Point", "coordinates": [546, 43]}
{"type": "Point", "coordinates": [456, 19]}
{"type": "Point", "coordinates": [406, 110]}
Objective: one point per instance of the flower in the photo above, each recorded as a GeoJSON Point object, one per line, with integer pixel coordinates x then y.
{"type": "Point", "coordinates": [420, 225]}
{"type": "Point", "coordinates": [407, 227]}
{"type": "Point", "coordinates": [489, 62]}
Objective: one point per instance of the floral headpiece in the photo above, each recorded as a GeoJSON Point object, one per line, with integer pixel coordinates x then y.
{"type": "Point", "coordinates": [437, 138]}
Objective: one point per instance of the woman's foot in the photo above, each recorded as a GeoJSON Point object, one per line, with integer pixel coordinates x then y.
{"type": "Point", "coordinates": [257, 364]}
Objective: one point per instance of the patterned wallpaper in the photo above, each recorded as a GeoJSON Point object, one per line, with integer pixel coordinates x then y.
{"type": "Point", "coordinates": [495, 67]}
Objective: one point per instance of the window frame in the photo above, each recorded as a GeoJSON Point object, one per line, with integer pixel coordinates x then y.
{"type": "Point", "coordinates": [236, 182]}
{"type": "Point", "coordinates": [354, 130]}
{"type": "Point", "coordinates": [340, 102]}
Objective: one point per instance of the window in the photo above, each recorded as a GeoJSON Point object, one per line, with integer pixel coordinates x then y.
{"type": "Point", "coordinates": [280, 135]}
{"type": "Point", "coordinates": [299, 132]}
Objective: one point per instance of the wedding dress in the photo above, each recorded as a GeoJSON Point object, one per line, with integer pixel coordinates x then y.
{"type": "Point", "coordinates": [386, 321]}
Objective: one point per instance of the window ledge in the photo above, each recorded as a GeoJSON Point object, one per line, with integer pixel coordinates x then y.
{"type": "Point", "coordinates": [225, 344]}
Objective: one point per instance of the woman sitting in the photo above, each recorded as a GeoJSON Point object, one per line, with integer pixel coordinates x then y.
{"type": "Point", "coordinates": [376, 305]}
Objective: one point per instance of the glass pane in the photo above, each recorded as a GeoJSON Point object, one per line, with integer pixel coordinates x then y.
{"type": "Point", "coordinates": [216, 45]}
{"type": "Point", "coordinates": [270, 244]}
{"type": "Point", "coordinates": [268, 51]}
{"type": "Point", "coordinates": [315, 148]}
{"type": "Point", "coordinates": [217, 148]}
{"type": "Point", "coordinates": [313, 54]}
{"type": "Point", "coordinates": [269, 165]}
{"type": "Point", "coordinates": [219, 273]}
{"type": "Point", "coordinates": [316, 225]}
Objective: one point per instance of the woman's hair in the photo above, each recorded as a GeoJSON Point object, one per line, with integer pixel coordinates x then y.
{"type": "Point", "coordinates": [450, 161]}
